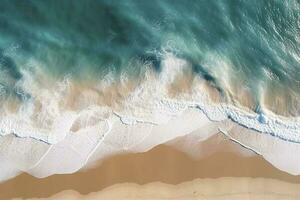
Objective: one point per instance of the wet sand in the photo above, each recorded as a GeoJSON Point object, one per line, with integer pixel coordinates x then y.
{"type": "Point", "coordinates": [162, 164]}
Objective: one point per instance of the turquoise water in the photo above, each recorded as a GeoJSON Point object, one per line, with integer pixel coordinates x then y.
{"type": "Point", "coordinates": [247, 44]}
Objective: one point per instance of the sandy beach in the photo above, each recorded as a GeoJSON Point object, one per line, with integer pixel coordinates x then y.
{"type": "Point", "coordinates": [123, 176]}
{"type": "Point", "coordinates": [200, 189]}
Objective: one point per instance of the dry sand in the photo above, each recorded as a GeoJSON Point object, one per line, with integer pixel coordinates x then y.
{"type": "Point", "coordinates": [162, 164]}
{"type": "Point", "coordinates": [200, 189]}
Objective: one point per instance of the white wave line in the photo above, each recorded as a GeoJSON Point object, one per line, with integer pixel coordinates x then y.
{"type": "Point", "coordinates": [41, 159]}
{"type": "Point", "coordinates": [98, 144]}
{"type": "Point", "coordinates": [238, 142]}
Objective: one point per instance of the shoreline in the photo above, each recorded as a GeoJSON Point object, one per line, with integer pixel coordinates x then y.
{"type": "Point", "coordinates": [162, 164]}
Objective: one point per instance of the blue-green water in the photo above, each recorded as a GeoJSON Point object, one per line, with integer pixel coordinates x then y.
{"type": "Point", "coordinates": [250, 44]}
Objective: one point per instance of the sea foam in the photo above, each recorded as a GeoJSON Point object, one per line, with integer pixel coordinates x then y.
{"type": "Point", "coordinates": [50, 138]}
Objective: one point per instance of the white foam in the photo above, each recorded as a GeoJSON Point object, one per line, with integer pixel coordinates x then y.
{"type": "Point", "coordinates": [65, 141]}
